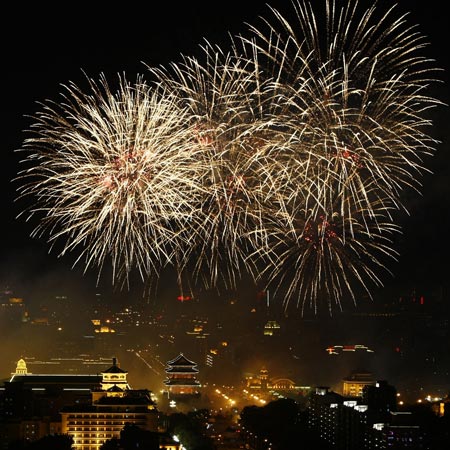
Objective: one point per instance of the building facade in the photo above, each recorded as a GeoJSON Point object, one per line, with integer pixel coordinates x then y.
{"type": "Point", "coordinates": [90, 408]}
{"type": "Point", "coordinates": [30, 403]}
{"type": "Point", "coordinates": [113, 405]}
{"type": "Point", "coordinates": [350, 424]}
{"type": "Point", "coordinates": [354, 384]}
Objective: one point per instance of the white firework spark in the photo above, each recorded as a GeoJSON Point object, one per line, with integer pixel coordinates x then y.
{"type": "Point", "coordinates": [221, 96]}
{"type": "Point", "coordinates": [115, 175]}
{"type": "Point", "coordinates": [286, 158]}
{"type": "Point", "coordinates": [350, 99]}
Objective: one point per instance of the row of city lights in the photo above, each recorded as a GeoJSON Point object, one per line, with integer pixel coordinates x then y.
{"type": "Point", "coordinates": [428, 398]}
{"type": "Point", "coordinates": [255, 397]}
{"type": "Point", "coordinates": [228, 399]}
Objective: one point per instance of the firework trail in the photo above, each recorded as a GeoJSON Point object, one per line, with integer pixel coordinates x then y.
{"type": "Point", "coordinates": [286, 158]}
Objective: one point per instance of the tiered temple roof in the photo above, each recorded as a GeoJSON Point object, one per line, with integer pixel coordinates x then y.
{"type": "Point", "coordinates": [181, 376]}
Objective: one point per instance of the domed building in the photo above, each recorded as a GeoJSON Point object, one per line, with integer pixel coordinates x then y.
{"type": "Point", "coordinates": [21, 368]}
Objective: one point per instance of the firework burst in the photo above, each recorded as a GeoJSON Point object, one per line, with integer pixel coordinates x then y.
{"type": "Point", "coordinates": [286, 158]}
{"type": "Point", "coordinates": [347, 95]}
{"type": "Point", "coordinates": [222, 96]}
{"type": "Point", "coordinates": [114, 175]}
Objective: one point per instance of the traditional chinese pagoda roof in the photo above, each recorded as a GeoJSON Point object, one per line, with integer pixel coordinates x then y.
{"type": "Point", "coordinates": [181, 382]}
{"type": "Point", "coordinates": [115, 388]}
{"type": "Point", "coordinates": [181, 370]}
{"type": "Point", "coordinates": [114, 368]}
{"type": "Point", "coordinates": [181, 360]}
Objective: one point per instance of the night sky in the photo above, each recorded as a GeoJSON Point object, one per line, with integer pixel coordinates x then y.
{"type": "Point", "coordinates": [43, 48]}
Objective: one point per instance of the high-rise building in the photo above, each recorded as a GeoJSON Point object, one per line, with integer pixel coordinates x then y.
{"type": "Point", "coordinates": [104, 419]}
{"type": "Point", "coordinates": [349, 424]}
{"type": "Point", "coordinates": [323, 414]}
{"type": "Point", "coordinates": [113, 405]}
{"type": "Point", "coordinates": [398, 432]}
{"type": "Point", "coordinates": [381, 399]}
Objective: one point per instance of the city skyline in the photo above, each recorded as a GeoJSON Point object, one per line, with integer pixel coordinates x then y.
{"type": "Point", "coordinates": [407, 340]}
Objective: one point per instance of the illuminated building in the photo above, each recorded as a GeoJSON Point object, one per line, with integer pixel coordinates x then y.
{"type": "Point", "coordinates": [342, 423]}
{"type": "Point", "coordinates": [441, 406]}
{"type": "Point", "coordinates": [81, 364]}
{"type": "Point", "coordinates": [90, 408]}
{"type": "Point", "coordinates": [91, 425]}
{"type": "Point", "coordinates": [324, 414]}
{"type": "Point", "coordinates": [271, 328]}
{"type": "Point", "coordinates": [113, 405]}
{"type": "Point", "coordinates": [68, 386]}
{"type": "Point", "coordinates": [30, 403]}
{"type": "Point", "coordinates": [198, 329]}
{"type": "Point", "coordinates": [181, 377]}
{"type": "Point", "coordinates": [277, 385]}
{"type": "Point", "coordinates": [210, 357]}
{"type": "Point", "coordinates": [167, 442]}
{"type": "Point", "coordinates": [363, 424]}
{"type": "Point", "coordinates": [105, 329]}
{"type": "Point", "coordinates": [21, 368]}
{"type": "Point", "coordinates": [216, 358]}
{"type": "Point", "coordinates": [397, 432]}
{"type": "Point", "coordinates": [114, 377]}
{"type": "Point", "coordinates": [354, 384]}
{"type": "Point", "coordinates": [264, 377]}
{"type": "Point", "coordinates": [260, 382]}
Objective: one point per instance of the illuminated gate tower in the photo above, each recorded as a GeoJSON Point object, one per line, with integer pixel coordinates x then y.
{"type": "Point", "coordinates": [181, 377]}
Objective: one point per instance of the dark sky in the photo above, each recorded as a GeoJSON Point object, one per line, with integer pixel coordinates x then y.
{"type": "Point", "coordinates": [43, 47]}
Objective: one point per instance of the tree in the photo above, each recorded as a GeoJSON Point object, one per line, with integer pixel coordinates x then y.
{"type": "Point", "coordinates": [190, 430]}
{"type": "Point", "coordinates": [52, 442]}
{"type": "Point", "coordinates": [132, 436]}
{"type": "Point", "coordinates": [111, 444]}
{"type": "Point", "coordinates": [282, 424]}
